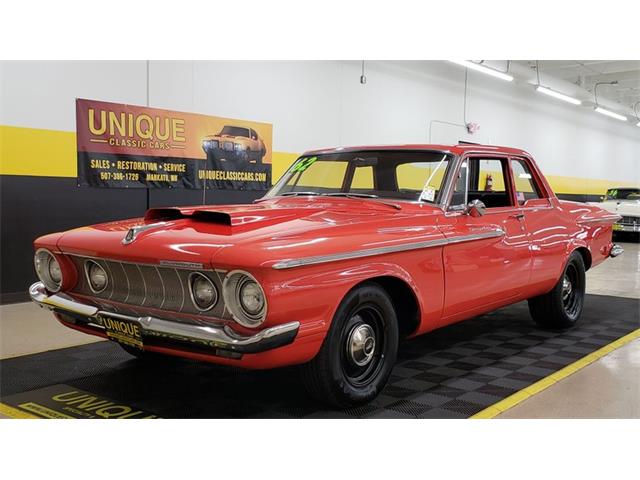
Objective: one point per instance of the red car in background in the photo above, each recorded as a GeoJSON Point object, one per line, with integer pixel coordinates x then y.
{"type": "Point", "coordinates": [352, 250]}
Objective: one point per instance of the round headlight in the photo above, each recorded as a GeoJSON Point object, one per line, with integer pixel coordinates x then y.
{"type": "Point", "coordinates": [203, 292]}
{"type": "Point", "coordinates": [48, 270]}
{"type": "Point", "coordinates": [54, 271]}
{"type": "Point", "coordinates": [96, 276]}
{"type": "Point", "coordinates": [251, 297]}
{"type": "Point", "coordinates": [244, 298]}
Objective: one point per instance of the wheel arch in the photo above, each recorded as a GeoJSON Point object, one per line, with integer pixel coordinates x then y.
{"type": "Point", "coordinates": [404, 299]}
{"type": "Point", "coordinates": [586, 256]}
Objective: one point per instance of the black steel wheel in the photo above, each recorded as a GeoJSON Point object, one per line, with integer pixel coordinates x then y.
{"type": "Point", "coordinates": [359, 351]}
{"type": "Point", "coordinates": [363, 341]}
{"type": "Point", "coordinates": [562, 306]}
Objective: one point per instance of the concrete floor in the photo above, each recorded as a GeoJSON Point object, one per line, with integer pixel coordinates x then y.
{"type": "Point", "coordinates": [608, 388]}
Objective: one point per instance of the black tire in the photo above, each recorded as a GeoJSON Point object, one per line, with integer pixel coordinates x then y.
{"type": "Point", "coordinates": [561, 307]}
{"type": "Point", "coordinates": [350, 368]}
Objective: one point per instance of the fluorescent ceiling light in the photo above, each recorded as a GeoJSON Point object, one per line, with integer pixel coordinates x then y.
{"type": "Point", "coordinates": [481, 68]}
{"type": "Point", "coordinates": [611, 114]}
{"type": "Point", "coordinates": [638, 124]}
{"type": "Point", "coordinates": [558, 95]}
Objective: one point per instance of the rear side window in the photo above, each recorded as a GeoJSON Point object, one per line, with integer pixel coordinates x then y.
{"type": "Point", "coordinates": [525, 184]}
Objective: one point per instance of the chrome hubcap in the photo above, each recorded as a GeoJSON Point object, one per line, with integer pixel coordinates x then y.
{"type": "Point", "coordinates": [567, 288]}
{"type": "Point", "coordinates": [361, 344]}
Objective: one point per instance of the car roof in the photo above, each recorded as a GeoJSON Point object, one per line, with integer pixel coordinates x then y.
{"type": "Point", "coordinates": [456, 149]}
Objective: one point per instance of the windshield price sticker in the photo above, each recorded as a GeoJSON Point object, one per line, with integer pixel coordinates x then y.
{"type": "Point", "coordinates": [428, 194]}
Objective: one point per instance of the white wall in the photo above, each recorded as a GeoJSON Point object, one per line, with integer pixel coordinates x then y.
{"type": "Point", "coordinates": [317, 104]}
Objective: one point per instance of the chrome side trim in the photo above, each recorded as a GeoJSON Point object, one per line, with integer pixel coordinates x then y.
{"type": "Point", "coordinates": [299, 262]}
{"type": "Point", "coordinates": [603, 219]}
{"type": "Point", "coordinates": [213, 336]}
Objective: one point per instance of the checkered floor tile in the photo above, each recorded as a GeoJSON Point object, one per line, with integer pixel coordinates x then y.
{"type": "Point", "coordinates": [453, 372]}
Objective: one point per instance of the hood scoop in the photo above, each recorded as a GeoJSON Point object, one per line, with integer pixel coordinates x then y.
{"type": "Point", "coordinates": [208, 216]}
{"type": "Point", "coordinates": [237, 217]}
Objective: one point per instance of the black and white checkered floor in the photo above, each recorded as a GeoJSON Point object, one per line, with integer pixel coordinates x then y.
{"type": "Point", "coordinates": [451, 373]}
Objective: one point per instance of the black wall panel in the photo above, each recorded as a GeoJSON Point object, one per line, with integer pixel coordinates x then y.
{"type": "Point", "coordinates": [34, 206]}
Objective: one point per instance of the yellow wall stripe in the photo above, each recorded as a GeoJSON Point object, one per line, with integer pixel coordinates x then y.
{"type": "Point", "coordinates": [11, 412]}
{"type": "Point", "coordinates": [513, 400]}
{"type": "Point", "coordinates": [52, 153]}
{"type": "Point", "coordinates": [37, 152]}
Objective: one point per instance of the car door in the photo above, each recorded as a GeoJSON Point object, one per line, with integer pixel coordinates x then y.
{"type": "Point", "coordinates": [487, 261]}
{"type": "Point", "coordinates": [547, 231]}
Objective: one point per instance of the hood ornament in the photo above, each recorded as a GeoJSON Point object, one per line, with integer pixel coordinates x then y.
{"type": "Point", "coordinates": [133, 232]}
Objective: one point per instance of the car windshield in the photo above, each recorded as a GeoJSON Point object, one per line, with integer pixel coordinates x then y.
{"type": "Point", "coordinates": [400, 175]}
{"type": "Point", "coordinates": [623, 194]}
{"type": "Point", "coordinates": [235, 131]}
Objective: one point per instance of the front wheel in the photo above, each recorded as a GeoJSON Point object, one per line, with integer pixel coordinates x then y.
{"type": "Point", "coordinates": [561, 307]}
{"type": "Point", "coordinates": [359, 351]}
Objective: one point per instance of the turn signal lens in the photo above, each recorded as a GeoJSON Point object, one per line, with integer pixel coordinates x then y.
{"type": "Point", "coordinates": [48, 269]}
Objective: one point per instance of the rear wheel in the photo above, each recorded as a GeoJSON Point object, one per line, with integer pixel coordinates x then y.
{"type": "Point", "coordinates": [359, 351]}
{"type": "Point", "coordinates": [562, 306]}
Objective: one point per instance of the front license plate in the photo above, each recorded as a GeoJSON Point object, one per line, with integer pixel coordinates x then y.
{"type": "Point", "coordinates": [123, 331]}
{"type": "Point", "coordinates": [617, 226]}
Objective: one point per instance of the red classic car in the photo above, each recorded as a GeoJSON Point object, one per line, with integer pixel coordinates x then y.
{"type": "Point", "coordinates": [352, 250]}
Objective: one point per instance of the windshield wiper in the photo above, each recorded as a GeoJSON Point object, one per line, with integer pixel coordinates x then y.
{"type": "Point", "coordinates": [362, 195]}
{"type": "Point", "coordinates": [295, 194]}
{"type": "Point", "coordinates": [350, 194]}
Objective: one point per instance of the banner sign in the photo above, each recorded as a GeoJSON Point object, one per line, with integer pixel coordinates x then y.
{"type": "Point", "coordinates": [129, 146]}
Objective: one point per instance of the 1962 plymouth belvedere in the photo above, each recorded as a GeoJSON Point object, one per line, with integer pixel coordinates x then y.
{"type": "Point", "coordinates": [352, 249]}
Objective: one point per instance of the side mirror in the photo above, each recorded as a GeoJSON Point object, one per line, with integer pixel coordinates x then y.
{"type": "Point", "coordinates": [475, 208]}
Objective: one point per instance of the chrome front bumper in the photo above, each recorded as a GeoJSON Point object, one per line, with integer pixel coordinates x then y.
{"type": "Point", "coordinates": [219, 338]}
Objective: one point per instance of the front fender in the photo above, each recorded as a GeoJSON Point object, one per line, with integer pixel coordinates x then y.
{"type": "Point", "coordinates": [313, 294]}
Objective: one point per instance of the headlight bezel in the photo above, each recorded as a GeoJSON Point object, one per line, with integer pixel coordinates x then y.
{"type": "Point", "coordinates": [44, 273]}
{"type": "Point", "coordinates": [193, 276]}
{"type": "Point", "coordinates": [232, 286]}
{"type": "Point", "coordinates": [88, 264]}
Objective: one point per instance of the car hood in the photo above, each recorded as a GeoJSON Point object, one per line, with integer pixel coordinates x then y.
{"type": "Point", "coordinates": [621, 207]}
{"type": "Point", "coordinates": [254, 235]}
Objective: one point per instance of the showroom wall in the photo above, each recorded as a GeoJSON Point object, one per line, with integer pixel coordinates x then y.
{"type": "Point", "coordinates": [310, 104]}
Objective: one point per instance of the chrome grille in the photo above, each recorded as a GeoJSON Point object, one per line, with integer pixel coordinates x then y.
{"type": "Point", "coordinates": [149, 286]}
{"type": "Point", "coordinates": [629, 220]}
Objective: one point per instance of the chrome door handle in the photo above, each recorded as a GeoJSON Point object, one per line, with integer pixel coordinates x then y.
{"type": "Point", "coordinates": [517, 216]}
